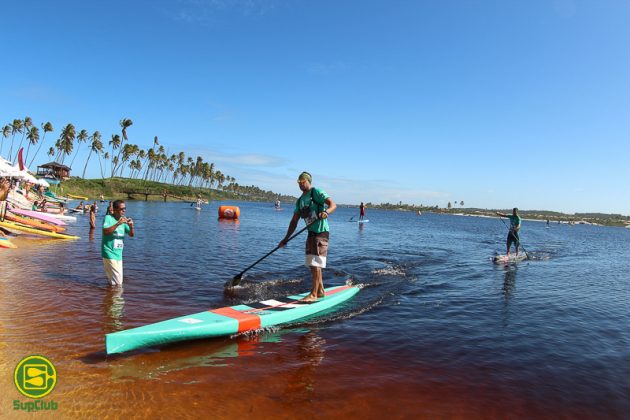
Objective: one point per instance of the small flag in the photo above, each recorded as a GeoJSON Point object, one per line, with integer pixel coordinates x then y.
{"type": "Point", "coordinates": [20, 159]}
{"type": "Point", "coordinates": [155, 141]}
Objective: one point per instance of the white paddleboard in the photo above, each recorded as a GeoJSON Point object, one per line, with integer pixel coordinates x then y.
{"type": "Point", "coordinates": [509, 259]}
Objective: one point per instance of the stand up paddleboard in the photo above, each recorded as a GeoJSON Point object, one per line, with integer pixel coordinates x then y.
{"type": "Point", "coordinates": [226, 321]}
{"type": "Point", "coordinates": [38, 215]}
{"type": "Point", "coordinates": [359, 221]}
{"type": "Point", "coordinates": [509, 259]}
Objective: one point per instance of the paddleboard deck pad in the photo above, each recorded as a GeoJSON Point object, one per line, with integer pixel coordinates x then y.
{"type": "Point", "coordinates": [226, 321]}
{"type": "Point", "coordinates": [508, 259]}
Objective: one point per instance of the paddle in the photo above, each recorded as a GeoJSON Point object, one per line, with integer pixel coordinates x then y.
{"type": "Point", "coordinates": [237, 278]}
{"type": "Point", "coordinates": [517, 242]}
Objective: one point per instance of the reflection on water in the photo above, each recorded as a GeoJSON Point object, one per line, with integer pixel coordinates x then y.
{"type": "Point", "coordinates": [301, 385]}
{"type": "Point", "coordinates": [113, 308]}
{"type": "Point", "coordinates": [509, 281]}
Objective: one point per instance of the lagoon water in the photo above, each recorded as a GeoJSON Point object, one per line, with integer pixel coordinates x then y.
{"type": "Point", "coordinates": [437, 331]}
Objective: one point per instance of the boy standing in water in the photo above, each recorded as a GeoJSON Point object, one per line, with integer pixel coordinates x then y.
{"type": "Point", "coordinates": [314, 206]}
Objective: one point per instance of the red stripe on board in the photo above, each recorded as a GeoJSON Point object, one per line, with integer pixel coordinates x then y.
{"type": "Point", "coordinates": [340, 289]}
{"type": "Point", "coordinates": [246, 322]}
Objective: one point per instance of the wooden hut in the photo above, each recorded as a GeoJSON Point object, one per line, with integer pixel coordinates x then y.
{"type": "Point", "coordinates": [53, 170]}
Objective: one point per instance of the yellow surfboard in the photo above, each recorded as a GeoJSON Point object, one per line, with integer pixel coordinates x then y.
{"type": "Point", "coordinates": [33, 231]}
{"type": "Point", "coordinates": [78, 197]}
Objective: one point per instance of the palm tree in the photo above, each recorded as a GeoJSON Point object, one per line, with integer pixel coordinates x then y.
{"type": "Point", "coordinates": [129, 150]}
{"type": "Point", "coordinates": [115, 143]}
{"type": "Point", "coordinates": [33, 138]}
{"type": "Point", "coordinates": [47, 128]}
{"type": "Point", "coordinates": [16, 127]}
{"type": "Point", "coordinates": [6, 132]}
{"type": "Point", "coordinates": [82, 137]}
{"type": "Point", "coordinates": [124, 124]}
{"type": "Point", "coordinates": [105, 156]}
{"type": "Point", "coordinates": [65, 143]}
{"type": "Point", "coordinates": [26, 125]}
{"type": "Point", "coordinates": [95, 146]}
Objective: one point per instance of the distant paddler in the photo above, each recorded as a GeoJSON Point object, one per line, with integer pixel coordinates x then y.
{"type": "Point", "coordinates": [515, 226]}
{"type": "Point", "coordinates": [361, 211]}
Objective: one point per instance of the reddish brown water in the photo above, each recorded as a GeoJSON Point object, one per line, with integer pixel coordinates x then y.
{"type": "Point", "coordinates": [437, 332]}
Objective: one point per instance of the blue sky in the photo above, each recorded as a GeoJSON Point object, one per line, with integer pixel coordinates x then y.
{"type": "Point", "coordinates": [496, 103]}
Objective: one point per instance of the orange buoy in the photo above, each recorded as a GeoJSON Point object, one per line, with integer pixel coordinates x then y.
{"type": "Point", "coordinates": [229, 212]}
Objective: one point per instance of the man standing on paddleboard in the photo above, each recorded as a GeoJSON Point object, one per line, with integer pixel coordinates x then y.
{"type": "Point", "coordinates": [115, 227]}
{"type": "Point", "coordinates": [314, 206]}
{"type": "Point", "coordinates": [515, 226]}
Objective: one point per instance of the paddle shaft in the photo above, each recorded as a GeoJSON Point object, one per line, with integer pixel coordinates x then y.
{"type": "Point", "coordinates": [518, 242]}
{"type": "Point", "coordinates": [237, 279]}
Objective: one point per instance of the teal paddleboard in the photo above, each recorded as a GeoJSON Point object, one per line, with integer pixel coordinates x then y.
{"type": "Point", "coordinates": [226, 321]}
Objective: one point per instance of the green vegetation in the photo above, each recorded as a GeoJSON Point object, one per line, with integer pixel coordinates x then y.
{"type": "Point", "coordinates": [115, 188]}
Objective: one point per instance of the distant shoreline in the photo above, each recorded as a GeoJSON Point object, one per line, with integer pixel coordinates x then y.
{"type": "Point", "coordinates": [597, 219]}
{"type": "Point", "coordinates": [112, 188]}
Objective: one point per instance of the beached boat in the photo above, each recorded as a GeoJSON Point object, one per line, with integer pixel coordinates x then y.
{"type": "Point", "coordinates": [226, 321]}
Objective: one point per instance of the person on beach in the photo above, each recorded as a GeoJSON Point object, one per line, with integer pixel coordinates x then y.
{"type": "Point", "coordinates": [115, 227]}
{"type": "Point", "coordinates": [5, 186]}
{"type": "Point", "coordinates": [361, 211]}
{"type": "Point", "coordinates": [314, 206]}
{"type": "Point", "coordinates": [93, 217]}
{"type": "Point", "coordinates": [515, 226]}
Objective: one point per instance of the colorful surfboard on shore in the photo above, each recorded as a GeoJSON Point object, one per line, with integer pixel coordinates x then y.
{"type": "Point", "coordinates": [11, 226]}
{"type": "Point", "coordinates": [6, 243]}
{"type": "Point", "coordinates": [226, 321]}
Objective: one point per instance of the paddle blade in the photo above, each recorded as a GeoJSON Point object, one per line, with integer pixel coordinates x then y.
{"type": "Point", "coordinates": [235, 280]}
